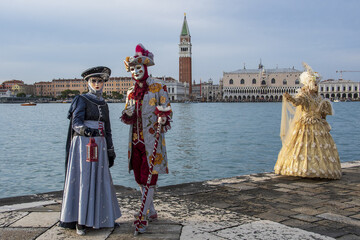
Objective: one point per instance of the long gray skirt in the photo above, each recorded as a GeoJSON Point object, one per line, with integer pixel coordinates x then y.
{"type": "Point", "coordinates": [89, 195]}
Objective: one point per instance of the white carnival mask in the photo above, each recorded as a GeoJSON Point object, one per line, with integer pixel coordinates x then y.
{"type": "Point", "coordinates": [137, 71]}
{"type": "Point", "coordinates": [96, 85]}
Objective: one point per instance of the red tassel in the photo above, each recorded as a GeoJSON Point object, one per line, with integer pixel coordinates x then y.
{"type": "Point", "coordinates": [92, 151]}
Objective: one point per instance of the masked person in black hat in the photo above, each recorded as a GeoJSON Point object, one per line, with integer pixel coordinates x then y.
{"type": "Point", "coordinates": [89, 198]}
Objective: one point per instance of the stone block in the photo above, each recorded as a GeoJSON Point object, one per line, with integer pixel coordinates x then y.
{"type": "Point", "coordinates": [268, 230]}
{"type": "Point", "coordinates": [340, 218]}
{"type": "Point", "coordinates": [155, 230]}
{"type": "Point", "coordinates": [188, 232]}
{"type": "Point", "coordinates": [306, 210]}
{"type": "Point", "coordinates": [349, 237]}
{"type": "Point", "coordinates": [354, 202]}
{"type": "Point", "coordinates": [7, 218]}
{"type": "Point", "coordinates": [305, 184]}
{"type": "Point", "coordinates": [288, 186]}
{"type": "Point", "coordinates": [285, 190]}
{"type": "Point", "coordinates": [15, 207]}
{"type": "Point", "coordinates": [272, 217]}
{"type": "Point", "coordinates": [356, 216]}
{"type": "Point", "coordinates": [328, 231]}
{"type": "Point", "coordinates": [20, 233]}
{"type": "Point", "coordinates": [297, 223]}
{"type": "Point", "coordinates": [59, 233]}
{"type": "Point", "coordinates": [306, 218]}
{"type": "Point", "coordinates": [38, 219]}
{"type": "Point", "coordinates": [241, 187]}
{"type": "Point", "coordinates": [48, 208]}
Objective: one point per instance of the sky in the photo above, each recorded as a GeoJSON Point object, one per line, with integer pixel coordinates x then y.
{"type": "Point", "coordinates": [42, 40]}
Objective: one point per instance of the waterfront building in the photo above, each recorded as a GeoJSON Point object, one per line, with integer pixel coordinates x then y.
{"type": "Point", "coordinates": [177, 91]}
{"type": "Point", "coordinates": [340, 89]}
{"type": "Point", "coordinates": [260, 84]}
{"type": "Point", "coordinates": [56, 86]}
{"type": "Point", "coordinates": [118, 84]}
{"type": "Point", "coordinates": [207, 91]}
{"type": "Point", "coordinates": [11, 83]}
{"type": "Point", "coordinates": [185, 68]}
{"type": "Point", "coordinates": [211, 92]}
{"type": "Point", "coordinates": [44, 89]}
{"type": "Point", "coordinates": [29, 89]}
{"type": "Point", "coordinates": [5, 93]}
{"type": "Point", "coordinates": [18, 86]}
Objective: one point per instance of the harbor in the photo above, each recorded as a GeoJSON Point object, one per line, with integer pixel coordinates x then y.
{"type": "Point", "coordinates": [256, 206]}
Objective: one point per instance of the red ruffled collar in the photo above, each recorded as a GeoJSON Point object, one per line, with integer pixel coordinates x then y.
{"type": "Point", "coordinates": [139, 92]}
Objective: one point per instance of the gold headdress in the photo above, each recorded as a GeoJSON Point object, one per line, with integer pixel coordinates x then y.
{"type": "Point", "coordinates": [309, 78]}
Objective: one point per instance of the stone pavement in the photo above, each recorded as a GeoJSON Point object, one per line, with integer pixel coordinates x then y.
{"type": "Point", "coordinates": [258, 206]}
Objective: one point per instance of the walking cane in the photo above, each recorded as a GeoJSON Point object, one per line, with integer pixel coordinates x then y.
{"type": "Point", "coordinates": [139, 222]}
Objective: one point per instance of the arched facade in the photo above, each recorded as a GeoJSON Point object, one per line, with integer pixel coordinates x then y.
{"type": "Point", "coordinates": [343, 90]}
{"type": "Point", "coordinates": [260, 84]}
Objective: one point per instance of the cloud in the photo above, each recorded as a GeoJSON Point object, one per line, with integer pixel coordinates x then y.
{"type": "Point", "coordinates": [64, 37]}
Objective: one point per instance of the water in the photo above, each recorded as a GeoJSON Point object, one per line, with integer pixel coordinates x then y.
{"type": "Point", "coordinates": [207, 141]}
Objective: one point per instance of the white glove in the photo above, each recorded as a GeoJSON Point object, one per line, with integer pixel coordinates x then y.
{"type": "Point", "coordinates": [130, 110]}
{"type": "Point", "coordinates": [162, 120]}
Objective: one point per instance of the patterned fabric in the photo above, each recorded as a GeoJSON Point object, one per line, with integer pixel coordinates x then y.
{"type": "Point", "coordinates": [155, 96]}
{"type": "Point", "coordinates": [309, 150]}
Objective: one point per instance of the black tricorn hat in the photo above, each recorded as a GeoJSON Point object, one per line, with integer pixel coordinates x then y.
{"type": "Point", "coordinates": [100, 71]}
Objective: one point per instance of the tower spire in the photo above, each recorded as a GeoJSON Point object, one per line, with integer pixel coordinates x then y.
{"type": "Point", "coordinates": [185, 73]}
{"type": "Point", "coordinates": [185, 28]}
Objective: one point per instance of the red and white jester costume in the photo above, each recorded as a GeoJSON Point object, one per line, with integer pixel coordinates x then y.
{"type": "Point", "coordinates": [147, 103]}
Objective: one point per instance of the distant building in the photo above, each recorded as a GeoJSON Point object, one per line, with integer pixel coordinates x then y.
{"type": "Point", "coordinates": [339, 89]}
{"type": "Point", "coordinates": [5, 93]}
{"type": "Point", "coordinates": [211, 92]}
{"type": "Point", "coordinates": [185, 68]}
{"type": "Point", "coordinates": [29, 89]}
{"type": "Point", "coordinates": [260, 84]}
{"type": "Point", "coordinates": [177, 91]}
{"type": "Point", "coordinates": [56, 86]}
{"type": "Point", "coordinates": [44, 89]}
{"type": "Point", "coordinates": [207, 91]}
{"type": "Point", "coordinates": [10, 84]}
{"type": "Point", "coordinates": [18, 86]}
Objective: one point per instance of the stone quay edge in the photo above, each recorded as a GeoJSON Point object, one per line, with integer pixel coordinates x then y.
{"type": "Point", "coordinates": [256, 206]}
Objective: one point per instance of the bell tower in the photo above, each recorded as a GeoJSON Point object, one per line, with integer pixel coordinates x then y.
{"type": "Point", "coordinates": [185, 74]}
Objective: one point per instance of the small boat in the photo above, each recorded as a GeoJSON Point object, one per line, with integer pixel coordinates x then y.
{"type": "Point", "coordinates": [28, 104]}
{"type": "Point", "coordinates": [336, 100]}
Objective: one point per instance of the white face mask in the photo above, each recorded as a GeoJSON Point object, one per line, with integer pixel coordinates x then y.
{"type": "Point", "coordinates": [137, 71]}
{"type": "Point", "coordinates": [96, 85]}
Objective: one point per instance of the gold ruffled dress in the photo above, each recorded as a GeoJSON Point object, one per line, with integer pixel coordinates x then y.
{"type": "Point", "coordinates": [308, 148]}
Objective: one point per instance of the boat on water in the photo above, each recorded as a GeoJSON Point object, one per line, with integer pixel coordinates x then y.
{"type": "Point", "coordinates": [28, 104]}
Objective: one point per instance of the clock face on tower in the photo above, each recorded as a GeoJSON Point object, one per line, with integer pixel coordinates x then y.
{"type": "Point", "coordinates": [184, 40]}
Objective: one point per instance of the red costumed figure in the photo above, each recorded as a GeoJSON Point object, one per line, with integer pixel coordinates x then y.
{"type": "Point", "coordinates": [148, 113]}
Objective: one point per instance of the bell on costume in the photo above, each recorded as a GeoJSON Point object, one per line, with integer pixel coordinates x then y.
{"type": "Point", "coordinates": [92, 151]}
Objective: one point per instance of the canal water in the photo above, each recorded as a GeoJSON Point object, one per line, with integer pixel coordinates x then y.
{"type": "Point", "coordinates": [207, 141]}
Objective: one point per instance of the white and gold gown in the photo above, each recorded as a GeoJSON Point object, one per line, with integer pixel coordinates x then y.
{"type": "Point", "coordinates": [308, 149]}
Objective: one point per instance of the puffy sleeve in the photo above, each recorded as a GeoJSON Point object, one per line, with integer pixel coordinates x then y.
{"type": "Point", "coordinates": [129, 102]}
{"type": "Point", "coordinates": [165, 103]}
{"type": "Point", "coordinates": [325, 108]}
{"type": "Point", "coordinates": [299, 99]}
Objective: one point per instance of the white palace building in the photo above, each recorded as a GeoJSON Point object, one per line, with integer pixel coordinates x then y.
{"type": "Point", "coordinates": [260, 84]}
{"type": "Point", "coordinates": [340, 89]}
{"type": "Point", "coordinates": [252, 85]}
